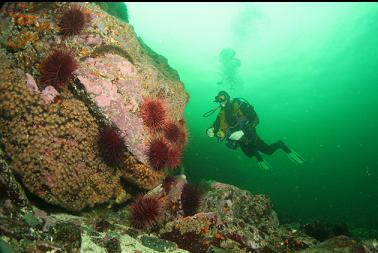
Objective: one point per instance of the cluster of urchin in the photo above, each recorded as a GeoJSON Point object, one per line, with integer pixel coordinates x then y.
{"type": "Point", "coordinates": [164, 151]}
{"type": "Point", "coordinates": [147, 212]}
{"type": "Point", "coordinates": [57, 68]}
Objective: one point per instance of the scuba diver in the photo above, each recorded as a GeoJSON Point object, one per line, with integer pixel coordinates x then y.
{"type": "Point", "coordinates": [236, 123]}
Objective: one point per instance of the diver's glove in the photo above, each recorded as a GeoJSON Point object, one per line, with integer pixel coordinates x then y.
{"type": "Point", "coordinates": [210, 132]}
{"type": "Point", "coordinates": [235, 136]}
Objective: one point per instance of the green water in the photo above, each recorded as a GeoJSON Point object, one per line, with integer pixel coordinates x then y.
{"type": "Point", "coordinates": [310, 70]}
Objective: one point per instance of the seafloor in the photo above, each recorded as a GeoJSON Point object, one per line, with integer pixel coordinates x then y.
{"type": "Point", "coordinates": [92, 133]}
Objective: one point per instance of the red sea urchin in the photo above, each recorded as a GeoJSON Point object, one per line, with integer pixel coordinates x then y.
{"type": "Point", "coordinates": [73, 21]}
{"type": "Point", "coordinates": [154, 113]}
{"type": "Point", "coordinates": [190, 199]}
{"type": "Point", "coordinates": [56, 70]}
{"type": "Point", "coordinates": [174, 157]}
{"type": "Point", "coordinates": [172, 132]}
{"type": "Point", "coordinates": [111, 146]}
{"type": "Point", "coordinates": [182, 139]}
{"type": "Point", "coordinates": [183, 136]}
{"type": "Point", "coordinates": [145, 212]}
{"type": "Point", "coordinates": [168, 183]}
{"type": "Point", "coordinates": [158, 154]}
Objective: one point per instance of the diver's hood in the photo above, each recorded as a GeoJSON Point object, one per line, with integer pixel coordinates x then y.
{"type": "Point", "coordinates": [221, 93]}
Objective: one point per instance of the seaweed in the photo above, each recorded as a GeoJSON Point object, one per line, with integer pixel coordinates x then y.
{"type": "Point", "coordinates": [116, 9]}
{"type": "Point", "coordinates": [160, 61]}
{"type": "Point", "coordinates": [101, 50]}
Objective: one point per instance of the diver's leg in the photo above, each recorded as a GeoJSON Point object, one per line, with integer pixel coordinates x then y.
{"type": "Point", "coordinates": [262, 146]}
{"type": "Point", "coordinates": [270, 149]}
{"type": "Point", "coordinates": [250, 151]}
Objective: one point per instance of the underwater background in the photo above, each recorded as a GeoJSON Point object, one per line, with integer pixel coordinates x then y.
{"type": "Point", "coordinates": [310, 71]}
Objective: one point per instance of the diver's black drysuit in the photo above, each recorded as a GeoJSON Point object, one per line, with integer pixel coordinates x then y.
{"type": "Point", "coordinates": [240, 115]}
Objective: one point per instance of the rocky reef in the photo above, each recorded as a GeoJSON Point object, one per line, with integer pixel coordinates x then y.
{"type": "Point", "coordinates": [227, 219]}
{"type": "Point", "coordinates": [69, 72]}
{"type": "Point", "coordinates": [91, 131]}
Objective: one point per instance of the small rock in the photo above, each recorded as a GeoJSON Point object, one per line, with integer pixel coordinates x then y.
{"type": "Point", "coordinates": [68, 235]}
{"type": "Point", "coordinates": [157, 244]}
{"type": "Point", "coordinates": [103, 225]}
{"type": "Point", "coordinates": [112, 245]}
{"type": "Point", "coordinates": [5, 247]}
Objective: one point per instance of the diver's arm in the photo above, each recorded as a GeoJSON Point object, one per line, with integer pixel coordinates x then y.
{"type": "Point", "coordinates": [214, 128]}
{"type": "Point", "coordinates": [216, 124]}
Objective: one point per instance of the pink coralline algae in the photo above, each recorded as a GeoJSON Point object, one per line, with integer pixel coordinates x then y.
{"type": "Point", "coordinates": [31, 84]}
{"type": "Point", "coordinates": [48, 94]}
{"type": "Point", "coordinates": [114, 84]}
{"type": "Point", "coordinates": [93, 40]}
{"type": "Point", "coordinates": [119, 90]}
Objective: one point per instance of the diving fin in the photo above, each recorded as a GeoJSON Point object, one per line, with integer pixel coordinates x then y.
{"type": "Point", "coordinates": [264, 165]}
{"type": "Point", "coordinates": [295, 157]}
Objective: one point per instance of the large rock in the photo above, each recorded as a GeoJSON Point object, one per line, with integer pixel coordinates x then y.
{"type": "Point", "coordinates": [51, 134]}
{"type": "Point", "coordinates": [238, 206]}
{"type": "Point", "coordinates": [233, 220]}
{"type": "Point", "coordinates": [194, 233]}
{"type": "Point", "coordinates": [342, 244]}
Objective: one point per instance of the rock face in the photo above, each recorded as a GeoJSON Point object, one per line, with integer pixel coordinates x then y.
{"type": "Point", "coordinates": [9, 187]}
{"type": "Point", "coordinates": [51, 131]}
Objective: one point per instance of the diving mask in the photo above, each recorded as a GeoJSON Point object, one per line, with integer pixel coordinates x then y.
{"type": "Point", "coordinates": [222, 98]}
